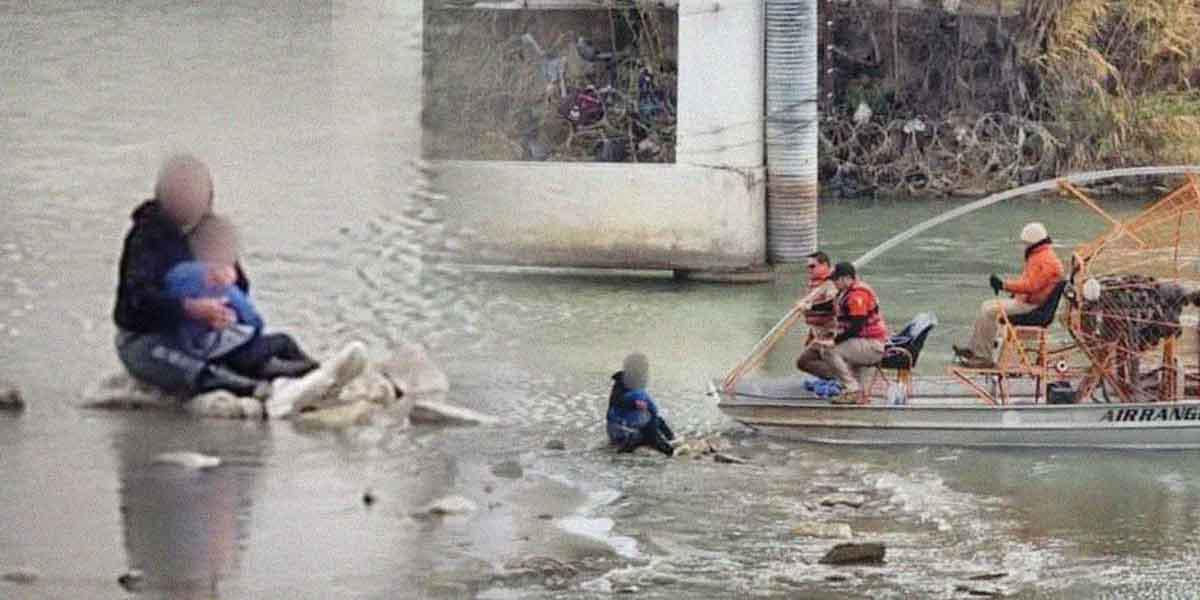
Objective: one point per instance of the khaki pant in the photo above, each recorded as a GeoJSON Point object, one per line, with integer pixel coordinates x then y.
{"type": "Point", "coordinates": [984, 338]}
{"type": "Point", "coordinates": [844, 362]}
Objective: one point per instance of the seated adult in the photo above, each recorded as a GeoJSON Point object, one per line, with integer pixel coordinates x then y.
{"type": "Point", "coordinates": [147, 317]}
{"type": "Point", "coordinates": [1042, 273]}
{"type": "Point", "coordinates": [817, 303]}
{"type": "Point", "coordinates": [860, 338]}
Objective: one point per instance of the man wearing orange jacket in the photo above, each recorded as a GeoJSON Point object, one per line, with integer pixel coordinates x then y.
{"type": "Point", "coordinates": [1043, 271]}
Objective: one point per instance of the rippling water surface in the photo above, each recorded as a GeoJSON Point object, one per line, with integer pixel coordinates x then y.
{"type": "Point", "coordinates": [307, 113]}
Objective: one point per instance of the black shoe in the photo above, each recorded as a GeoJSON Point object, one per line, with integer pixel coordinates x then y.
{"type": "Point", "coordinates": [277, 367]}
{"type": "Point", "coordinates": [964, 353]}
{"type": "Point", "coordinates": [217, 378]}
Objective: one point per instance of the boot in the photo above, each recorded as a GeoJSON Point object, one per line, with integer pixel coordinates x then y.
{"type": "Point", "coordinates": [278, 367]}
{"type": "Point", "coordinates": [218, 378]}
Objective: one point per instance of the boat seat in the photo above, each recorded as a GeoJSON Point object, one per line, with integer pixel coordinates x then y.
{"type": "Point", "coordinates": [902, 351]}
{"type": "Point", "coordinates": [1024, 349]}
{"type": "Point", "coordinates": [1042, 316]}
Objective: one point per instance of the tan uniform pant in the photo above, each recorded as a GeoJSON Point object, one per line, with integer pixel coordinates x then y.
{"type": "Point", "coordinates": [844, 362]}
{"type": "Point", "coordinates": [984, 338]}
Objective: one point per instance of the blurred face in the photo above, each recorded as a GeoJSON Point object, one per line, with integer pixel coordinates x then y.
{"type": "Point", "coordinates": [843, 283]}
{"type": "Point", "coordinates": [186, 194]}
{"type": "Point", "coordinates": [216, 245]}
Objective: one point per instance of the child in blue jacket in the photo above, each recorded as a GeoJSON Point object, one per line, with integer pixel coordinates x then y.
{"type": "Point", "coordinates": [633, 418]}
{"type": "Point", "coordinates": [243, 347]}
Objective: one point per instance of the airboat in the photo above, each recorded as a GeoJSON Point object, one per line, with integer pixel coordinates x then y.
{"type": "Point", "coordinates": [1111, 361]}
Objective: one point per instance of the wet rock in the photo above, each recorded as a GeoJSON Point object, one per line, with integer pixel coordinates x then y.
{"type": "Point", "coordinates": [337, 417]}
{"type": "Point", "coordinates": [509, 469]}
{"type": "Point", "coordinates": [821, 529]}
{"type": "Point", "coordinates": [413, 373]}
{"type": "Point", "coordinates": [717, 443]}
{"type": "Point", "coordinates": [854, 554]}
{"type": "Point", "coordinates": [626, 589]}
{"type": "Point", "coordinates": [224, 405]}
{"type": "Point", "coordinates": [22, 576]}
{"type": "Point", "coordinates": [10, 397]}
{"type": "Point", "coordinates": [432, 412]}
{"type": "Point", "coordinates": [556, 445]}
{"type": "Point", "coordinates": [450, 505]}
{"type": "Point", "coordinates": [188, 460]}
{"type": "Point", "coordinates": [837, 578]}
{"type": "Point", "coordinates": [370, 387]}
{"type": "Point", "coordinates": [980, 590]}
{"type": "Point", "coordinates": [663, 579]}
{"type": "Point", "coordinates": [119, 391]}
{"type": "Point", "coordinates": [132, 580]}
{"type": "Point", "coordinates": [550, 572]}
{"type": "Point", "coordinates": [851, 500]}
{"type": "Point", "coordinates": [988, 576]}
{"type": "Point", "coordinates": [728, 459]}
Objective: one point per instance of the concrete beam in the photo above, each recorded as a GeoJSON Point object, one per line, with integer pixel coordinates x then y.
{"type": "Point", "coordinates": [648, 216]}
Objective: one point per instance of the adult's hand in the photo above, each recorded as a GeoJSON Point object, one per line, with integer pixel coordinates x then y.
{"type": "Point", "coordinates": [996, 283]}
{"type": "Point", "coordinates": [213, 311]}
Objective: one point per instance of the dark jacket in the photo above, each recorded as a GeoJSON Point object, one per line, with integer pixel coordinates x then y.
{"type": "Point", "coordinates": [153, 246]}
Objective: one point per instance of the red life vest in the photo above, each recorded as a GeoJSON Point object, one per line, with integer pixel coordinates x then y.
{"type": "Point", "coordinates": [875, 329]}
{"type": "Point", "coordinates": [820, 315]}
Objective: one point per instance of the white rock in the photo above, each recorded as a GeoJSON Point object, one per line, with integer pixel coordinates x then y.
{"type": "Point", "coordinates": [414, 373]}
{"type": "Point", "coordinates": [450, 505]}
{"type": "Point", "coordinates": [433, 412]}
{"type": "Point", "coordinates": [851, 500]}
{"type": "Point", "coordinates": [371, 387]}
{"type": "Point", "coordinates": [188, 460]}
{"type": "Point", "coordinates": [337, 417]}
{"type": "Point", "coordinates": [119, 391]}
{"type": "Point", "coordinates": [822, 530]}
{"type": "Point", "coordinates": [224, 405]}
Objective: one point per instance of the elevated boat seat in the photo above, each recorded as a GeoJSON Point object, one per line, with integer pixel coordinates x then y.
{"type": "Point", "coordinates": [1024, 350]}
{"type": "Point", "coordinates": [903, 349]}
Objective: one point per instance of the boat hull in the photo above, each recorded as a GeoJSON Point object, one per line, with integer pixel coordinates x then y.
{"type": "Point", "coordinates": [965, 421]}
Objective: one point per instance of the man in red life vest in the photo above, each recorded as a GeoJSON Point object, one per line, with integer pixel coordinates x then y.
{"type": "Point", "coordinates": [818, 303]}
{"type": "Point", "coordinates": [861, 336]}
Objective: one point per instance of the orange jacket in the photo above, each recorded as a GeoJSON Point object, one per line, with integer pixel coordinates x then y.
{"type": "Point", "coordinates": [1042, 272]}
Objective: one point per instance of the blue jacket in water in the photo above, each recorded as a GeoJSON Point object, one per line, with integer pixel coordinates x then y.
{"type": "Point", "coordinates": [189, 280]}
{"type": "Point", "coordinates": [630, 426]}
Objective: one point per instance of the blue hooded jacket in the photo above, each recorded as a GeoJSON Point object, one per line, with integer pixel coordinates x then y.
{"type": "Point", "coordinates": [625, 419]}
{"type": "Point", "coordinates": [188, 280]}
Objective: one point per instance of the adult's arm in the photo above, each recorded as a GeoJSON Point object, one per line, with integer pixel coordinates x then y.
{"type": "Point", "coordinates": [143, 303]}
{"type": "Point", "coordinates": [1032, 279]}
{"type": "Point", "coordinates": [852, 330]}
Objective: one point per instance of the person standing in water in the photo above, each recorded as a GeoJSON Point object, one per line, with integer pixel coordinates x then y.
{"type": "Point", "coordinates": [633, 418]}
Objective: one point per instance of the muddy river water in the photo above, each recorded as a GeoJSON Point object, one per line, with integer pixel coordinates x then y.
{"type": "Point", "coordinates": [308, 115]}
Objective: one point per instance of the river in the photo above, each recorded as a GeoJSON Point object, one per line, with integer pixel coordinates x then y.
{"type": "Point", "coordinates": [308, 114]}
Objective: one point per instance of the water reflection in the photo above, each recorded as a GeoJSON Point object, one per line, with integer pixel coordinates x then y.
{"type": "Point", "coordinates": [185, 528]}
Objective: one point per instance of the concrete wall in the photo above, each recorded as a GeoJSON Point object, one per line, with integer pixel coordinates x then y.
{"type": "Point", "coordinates": [651, 216]}
{"type": "Point", "coordinates": [705, 212]}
